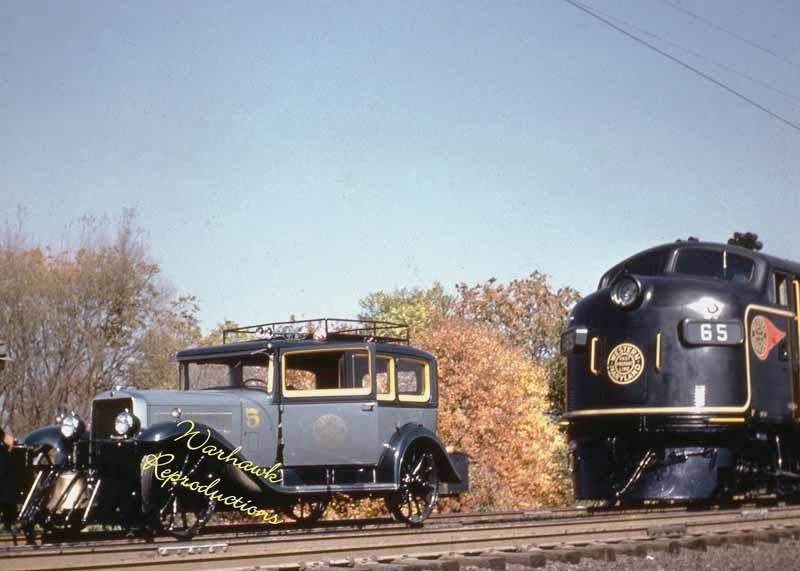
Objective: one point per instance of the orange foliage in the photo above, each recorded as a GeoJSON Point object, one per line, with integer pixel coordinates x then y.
{"type": "Point", "coordinates": [492, 405]}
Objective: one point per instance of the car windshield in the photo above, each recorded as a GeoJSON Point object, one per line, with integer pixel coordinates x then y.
{"type": "Point", "coordinates": [232, 373]}
{"type": "Point", "coordinates": [716, 264]}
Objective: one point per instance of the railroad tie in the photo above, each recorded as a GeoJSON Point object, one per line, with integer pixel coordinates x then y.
{"type": "Point", "coordinates": [494, 562]}
{"type": "Point", "coordinates": [429, 564]}
{"type": "Point", "coordinates": [526, 559]}
{"type": "Point", "coordinates": [627, 548]}
{"type": "Point", "coordinates": [565, 555]}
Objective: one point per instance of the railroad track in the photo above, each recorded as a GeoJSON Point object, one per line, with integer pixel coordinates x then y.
{"type": "Point", "coordinates": [487, 541]}
{"type": "Point", "coordinates": [237, 531]}
{"type": "Point", "coordinates": [233, 530]}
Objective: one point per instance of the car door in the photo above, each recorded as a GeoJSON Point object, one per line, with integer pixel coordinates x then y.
{"type": "Point", "coordinates": [328, 406]}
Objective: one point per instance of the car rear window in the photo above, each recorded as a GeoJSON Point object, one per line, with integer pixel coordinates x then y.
{"type": "Point", "coordinates": [413, 380]}
{"type": "Point", "coordinates": [715, 264]}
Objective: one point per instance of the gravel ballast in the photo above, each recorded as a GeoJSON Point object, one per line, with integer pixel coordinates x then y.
{"type": "Point", "coordinates": [783, 556]}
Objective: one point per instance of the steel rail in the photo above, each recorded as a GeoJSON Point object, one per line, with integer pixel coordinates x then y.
{"type": "Point", "coordinates": [235, 531]}
{"type": "Point", "coordinates": [292, 549]}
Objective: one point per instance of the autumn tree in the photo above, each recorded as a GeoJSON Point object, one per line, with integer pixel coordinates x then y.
{"type": "Point", "coordinates": [531, 314]}
{"type": "Point", "coordinates": [492, 400]}
{"type": "Point", "coordinates": [501, 379]}
{"type": "Point", "coordinates": [81, 321]}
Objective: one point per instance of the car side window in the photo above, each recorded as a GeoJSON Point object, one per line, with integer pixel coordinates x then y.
{"type": "Point", "coordinates": [360, 364]}
{"type": "Point", "coordinates": [413, 380]}
{"type": "Point", "coordinates": [385, 377]}
{"type": "Point", "coordinates": [325, 372]}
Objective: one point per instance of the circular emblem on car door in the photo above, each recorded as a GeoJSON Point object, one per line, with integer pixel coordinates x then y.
{"type": "Point", "coordinates": [330, 431]}
{"type": "Point", "coordinates": [625, 363]}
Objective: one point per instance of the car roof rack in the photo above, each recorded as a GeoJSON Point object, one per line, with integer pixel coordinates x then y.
{"type": "Point", "coordinates": [324, 328]}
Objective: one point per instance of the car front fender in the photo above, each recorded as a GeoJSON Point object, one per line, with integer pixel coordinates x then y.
{"type": "Point", "coordinates": [197, 437]}
{"type": "Point", "coordinates": [49, 437]}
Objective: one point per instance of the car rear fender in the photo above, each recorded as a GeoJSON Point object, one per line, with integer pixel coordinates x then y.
{"type": "Point", "coordinates": [416, 435]}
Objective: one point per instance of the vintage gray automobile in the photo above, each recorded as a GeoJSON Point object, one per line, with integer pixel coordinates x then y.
{"type": "Point", "coordinates": [272, 424]}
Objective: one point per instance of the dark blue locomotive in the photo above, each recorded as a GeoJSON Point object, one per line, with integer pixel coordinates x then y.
{"type": "Point", "coordinates": [682, 377]}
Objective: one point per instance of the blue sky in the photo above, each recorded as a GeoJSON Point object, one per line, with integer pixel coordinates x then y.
{"type": "Point", "coordinates": [289, 158]}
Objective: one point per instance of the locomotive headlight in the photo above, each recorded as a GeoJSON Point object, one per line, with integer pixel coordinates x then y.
{"type": "Point", "coordinates": [71, 426]}
{"type": "Point", "coordinates": [125, 424]}
{"type": "Point", "coordinates": [625, 292]}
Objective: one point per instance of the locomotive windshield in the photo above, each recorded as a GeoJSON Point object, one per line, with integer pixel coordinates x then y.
{"type": "Point", "coordinates": [698, 262]}
{"type": "Point", "coordinates": [715, 264]}
{"type": "Point", "coordinates": [648, 264]}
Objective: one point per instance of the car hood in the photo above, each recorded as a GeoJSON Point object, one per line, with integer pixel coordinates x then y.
{"type": "Point", "coordinates": [219, 409]}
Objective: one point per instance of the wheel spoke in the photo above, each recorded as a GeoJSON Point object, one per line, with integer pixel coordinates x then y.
{"type": "Point", "coordinates": [418, 488]}
{"type": "Point", "coordinates": [180, 513]}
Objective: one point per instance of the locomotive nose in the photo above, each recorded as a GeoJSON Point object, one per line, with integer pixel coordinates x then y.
{"type": "Point", "coordinates": [642, 345]}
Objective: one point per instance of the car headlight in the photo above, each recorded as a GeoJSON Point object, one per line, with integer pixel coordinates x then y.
{"type": "Point", "coordinates": [71, 426]}
{"type": "Point", "coordinates": [125, 424]}
{"type": "Point", "coordinates": [626, 292]}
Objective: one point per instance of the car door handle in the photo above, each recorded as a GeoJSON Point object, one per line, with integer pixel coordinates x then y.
{"type": "Point", "coordinates": [367, 407]}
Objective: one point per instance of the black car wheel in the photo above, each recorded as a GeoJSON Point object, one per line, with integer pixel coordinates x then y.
{"type": "Point", "coordinates": [419, 488]}
{"type": "Point", "coordinates": [175, 509]}
{"type": "Point", "coordinates": [306, 511]}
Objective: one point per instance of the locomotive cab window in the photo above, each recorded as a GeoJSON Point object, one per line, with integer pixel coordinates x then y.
{"type": "Point", "coordinates": [781, 283]}
{"type": "Point", "coordinates": [651, 264]}
{"type": "Point", "coordinates": [325, 373]}
{"type": "Point", "coordinates": [715, 264]}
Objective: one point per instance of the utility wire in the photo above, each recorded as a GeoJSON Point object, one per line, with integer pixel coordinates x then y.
{"type": "Point", "coordinates": [698, 55]}
{"type": "Point", "coordinates": [716, 26]}
{"type": "Point", "coordinates": [589, 11]}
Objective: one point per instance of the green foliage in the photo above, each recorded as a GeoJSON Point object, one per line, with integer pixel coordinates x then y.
{"type": "Point", "coordinates": [418, 308]}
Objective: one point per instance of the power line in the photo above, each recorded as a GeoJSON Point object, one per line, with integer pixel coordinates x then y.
{"type": "Point", "coordinates": [682, 63]}
{"type": "Point", "coordinates": [698, 55]}
{"type": "Point", "coordinates": [731, 33]}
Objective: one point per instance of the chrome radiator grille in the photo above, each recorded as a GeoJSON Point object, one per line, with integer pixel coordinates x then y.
{"type": "Point", "coordinates": [103, 414]}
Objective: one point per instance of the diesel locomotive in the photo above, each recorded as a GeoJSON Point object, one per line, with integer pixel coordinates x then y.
{"type": "Point", "coordinates": [682, 377]}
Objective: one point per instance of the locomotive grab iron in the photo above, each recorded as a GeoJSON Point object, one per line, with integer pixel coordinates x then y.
{"type": "Point", "coordinates": [682, 377]}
